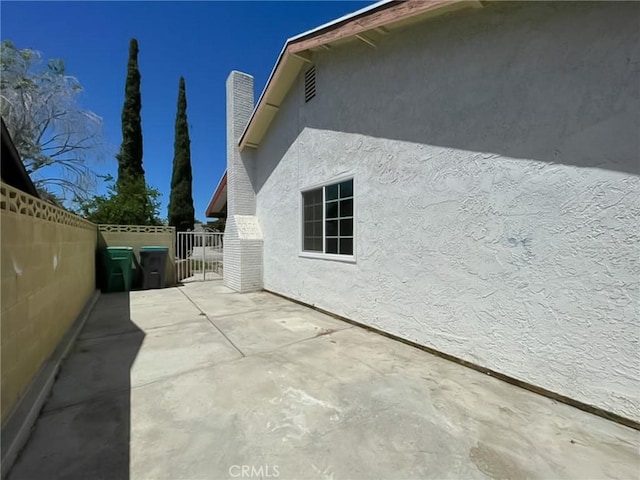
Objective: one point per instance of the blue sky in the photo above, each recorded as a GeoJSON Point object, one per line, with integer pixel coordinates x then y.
{"type": "Point", "coordinates": [202, 41]}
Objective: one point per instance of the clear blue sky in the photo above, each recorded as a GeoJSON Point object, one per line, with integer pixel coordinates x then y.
{"type": "Point", "coordinates": [202, 41]}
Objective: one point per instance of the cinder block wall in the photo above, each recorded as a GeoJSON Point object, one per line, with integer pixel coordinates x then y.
{"type": "Point", "coordinates": [137, 236]}
{"type": "Point", "coordinates": [48, 275]}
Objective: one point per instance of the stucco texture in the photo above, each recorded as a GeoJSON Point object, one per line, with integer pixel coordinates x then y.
{"type": "Point", "coordinates": [495, 163]}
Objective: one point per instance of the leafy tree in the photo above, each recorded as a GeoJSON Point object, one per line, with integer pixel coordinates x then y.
{"type": "Point", "coordinates": [56, 139]}
{"type": "Point", "coordinates": [130, 156]}
{"type": "Point", "coordinates": [181, 211]}
{"type": "Point", "coordinates": [130, 203]}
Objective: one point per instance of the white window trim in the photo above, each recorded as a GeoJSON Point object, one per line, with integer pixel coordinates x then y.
{"type": "Point", "coordinates": [321, 255]}
{"type": "Point", "coordinates": [328, 256]}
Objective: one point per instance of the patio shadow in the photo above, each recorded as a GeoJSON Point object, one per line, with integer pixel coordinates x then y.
{"type": "Point", "coordinates": [84, 429]}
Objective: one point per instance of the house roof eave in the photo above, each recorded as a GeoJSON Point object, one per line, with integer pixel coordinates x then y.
{"type": "Point", "coordinates": [297, 50]}
{"type": "Point", "coordinates": [216, 205]}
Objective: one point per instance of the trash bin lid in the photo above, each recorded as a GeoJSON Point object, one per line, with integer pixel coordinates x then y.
{"type": "Point", "coordinates": [112, 249]}
{"type": "Point", "coordinates": [154, 248]}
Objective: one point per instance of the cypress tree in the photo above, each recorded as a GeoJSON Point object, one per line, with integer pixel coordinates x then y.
{"type": "Point", "coordinates": [181, 211]}
{"type": "Point", "coordinates": [130, 156]}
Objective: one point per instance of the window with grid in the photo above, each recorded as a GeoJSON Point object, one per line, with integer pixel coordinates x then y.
{"type": "Point", "coordinates": [328, 219]}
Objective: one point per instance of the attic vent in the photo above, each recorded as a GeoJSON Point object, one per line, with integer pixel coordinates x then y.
{"type": "Point", "coordinates": [309, 84]}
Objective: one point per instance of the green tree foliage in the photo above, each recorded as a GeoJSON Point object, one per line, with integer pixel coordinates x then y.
{"type": "Point", "coordinates": [56, 139]}
{"type": "Point", "coordinates": [130, 203]}
{"type": "Point", "coordinates": [130, 200]}
{"type": "Point", "coordinates": [130, 156]}
{"type": "Point", "coordinates": [181, 211]}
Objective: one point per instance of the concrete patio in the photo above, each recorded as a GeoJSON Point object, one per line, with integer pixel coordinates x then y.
{"type": "Point", "coordinates": [199, 382]}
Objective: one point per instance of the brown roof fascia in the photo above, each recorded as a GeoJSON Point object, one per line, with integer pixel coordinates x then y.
{"type": "Point", "coordinates": [216, 196]}
{"type": "Point", "coordinates": [385, 15]}
{"type": "Point", "coordinates": [381, 17]}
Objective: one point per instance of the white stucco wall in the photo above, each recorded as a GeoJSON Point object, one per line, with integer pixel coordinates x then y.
{"type": "Point", "coordinates": [495, 159]}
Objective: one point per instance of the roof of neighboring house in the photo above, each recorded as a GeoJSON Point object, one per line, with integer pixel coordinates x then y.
{"type": "Point", "coordinates": [367, 25]}
{"type": "Point", "coordinates": [217, 207]}
{"type": "Point", "coordinates": [12, 169]}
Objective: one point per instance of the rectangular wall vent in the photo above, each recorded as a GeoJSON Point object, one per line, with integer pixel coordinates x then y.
{"type": "Point", "coordinates": [309, 84]}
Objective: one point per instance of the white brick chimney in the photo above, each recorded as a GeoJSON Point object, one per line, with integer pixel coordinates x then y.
{"type": "Point", "coordinates": [242, 236]}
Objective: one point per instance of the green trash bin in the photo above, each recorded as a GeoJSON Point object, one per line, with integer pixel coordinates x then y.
{"type": "Point", "coordinates": [117, 262]}
{"type": "Point", "coordinates": [153, 261]}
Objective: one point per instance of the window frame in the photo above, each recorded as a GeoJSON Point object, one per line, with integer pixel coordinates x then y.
{"type": "Point", "coordinates": [322, 255]}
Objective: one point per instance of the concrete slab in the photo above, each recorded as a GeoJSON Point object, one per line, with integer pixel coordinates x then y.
{"type": "Point", "coordinates": [346, 404]}
{"type": "Point", "coordinates": [110, 316]}
{"type": "Point", "coordinates": [132, 356]}
{"type": "Point", "coordinates": [258, 322]}
{"type": "Point", "coordinates": [129, 312]}
{"type": "Point", "coordinates": [205, 290]}
{"type": "Point", "coordinates": [89, 440]}
{"type": "Point", "coordinates": [327, 408]}
{"type": "Point", "coordinates": [217, 300]}
{"type": "Point", "coordinates": [142, 298]}
{"type": "Point", "coordinates": [267, 329]}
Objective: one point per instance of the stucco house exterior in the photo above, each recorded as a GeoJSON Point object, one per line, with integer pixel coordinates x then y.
{"type": "Point", "coordinates": [461, 175]}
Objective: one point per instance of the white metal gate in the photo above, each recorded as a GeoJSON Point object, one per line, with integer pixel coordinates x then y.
{"type": "Point", "coordinates": [198, 256]}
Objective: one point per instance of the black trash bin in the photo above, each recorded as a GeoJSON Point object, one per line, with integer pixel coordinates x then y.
{"type": "Point", "coordinates": [153, 261]}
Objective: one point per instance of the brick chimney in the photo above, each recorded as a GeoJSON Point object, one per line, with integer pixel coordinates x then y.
{"type": "Point", "coordinates": [242, 236]}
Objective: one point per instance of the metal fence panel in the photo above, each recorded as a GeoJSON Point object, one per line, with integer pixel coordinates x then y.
{"type": "Point", "coordinates": [198, 256]}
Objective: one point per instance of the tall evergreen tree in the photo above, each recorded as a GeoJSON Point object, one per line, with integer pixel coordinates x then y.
{"type": "Point", "coordinates": [181, 211]}
{"type": "Point", "coordinates": [131, 200]}
{"type": "Point", "coordinates": [130, 156]}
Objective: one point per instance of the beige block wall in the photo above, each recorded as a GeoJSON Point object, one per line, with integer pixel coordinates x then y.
{"type": "Point", "coordinates": [140, 236]}
{"type": "Point", "coordinates": [48, 274]}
